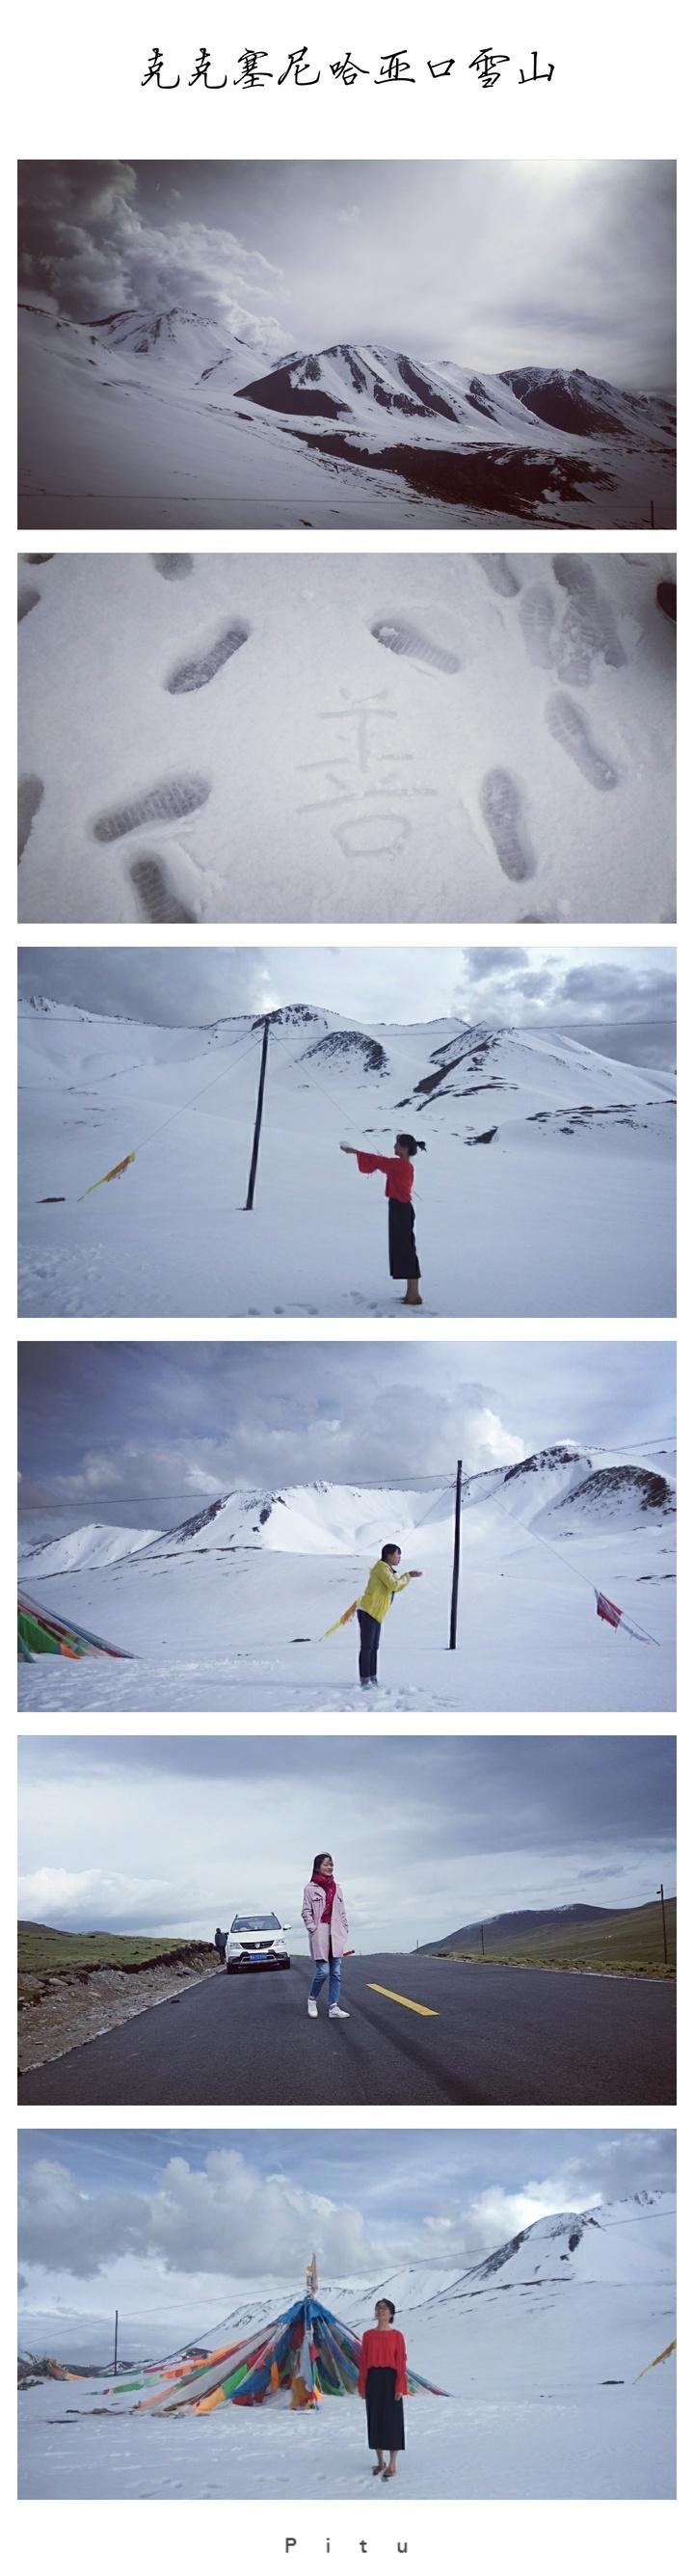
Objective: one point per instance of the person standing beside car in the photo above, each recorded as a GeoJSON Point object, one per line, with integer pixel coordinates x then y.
{"type": "Point", "coordinates": [324, 1914]}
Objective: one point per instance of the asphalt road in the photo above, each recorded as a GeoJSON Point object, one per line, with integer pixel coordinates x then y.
{"type": "Point", "coordinates": [486, 2034]}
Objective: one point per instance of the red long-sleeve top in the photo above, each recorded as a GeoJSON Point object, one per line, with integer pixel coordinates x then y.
{"type": "Point", "coordinates": [383, 2349]}
{"type": "Point", "coordinates": [399, 1174]}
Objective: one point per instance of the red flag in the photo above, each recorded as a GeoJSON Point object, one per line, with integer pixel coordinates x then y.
{"type": "Point", "coordinates": [607, 1610]}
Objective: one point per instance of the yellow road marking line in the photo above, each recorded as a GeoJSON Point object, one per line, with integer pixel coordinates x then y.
{"type": "Point", "coordinates": [425, 2009]}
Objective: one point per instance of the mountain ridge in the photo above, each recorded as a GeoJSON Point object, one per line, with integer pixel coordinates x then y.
{"type": "Point", "coordinates": [334, 1518]}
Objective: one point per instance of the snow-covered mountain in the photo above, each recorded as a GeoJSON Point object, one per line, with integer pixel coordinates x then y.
{"type": "Point", "coordinates": [96, 1543]}
{"type": "Point", "coordinates": [547, 1185]}
{"type": "Point", "coordinates": [544, 2349]}
{"type": "Point", "coordinates": [421, 438]}
{"type": "Point", "coordinates": [344, 1520]}
{"type": "Point", "coordinates": [566, 398]}
{"type": "Point", "coordinates": [236, 1605]}
{"type": "Point", "coordinates": [362, 384]}
{"type": "Point", "coordinates": [186, 345]}
{"type": "Point", "coordinates": [343, 383]}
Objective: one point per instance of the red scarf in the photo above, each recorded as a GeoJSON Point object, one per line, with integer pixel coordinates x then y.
{"type": "Point", "coordinates": [328, 1887]}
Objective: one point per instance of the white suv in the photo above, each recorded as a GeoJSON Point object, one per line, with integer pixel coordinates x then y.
{"type": "Point", "coordinates": [255, 1941]}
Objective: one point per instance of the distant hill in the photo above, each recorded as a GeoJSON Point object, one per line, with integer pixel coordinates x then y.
{"type": "Point", "coordinates": [629, 1938]}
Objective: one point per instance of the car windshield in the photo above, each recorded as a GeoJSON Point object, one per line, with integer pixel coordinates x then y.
{"type": "Point", "coordinates": [256, 1923]}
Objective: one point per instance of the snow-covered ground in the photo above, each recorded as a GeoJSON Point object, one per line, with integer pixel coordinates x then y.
{"type": "Point", "coordinates": [540, 2349]}
{"type": "Point", "coordinates": [346, 738]}
{"type": "Point", "coordinates": [567, 1209]}
{"type": "Point", "coordinates": [154, 419]}
{"type": "Point", "coordinates": [229, 1611]}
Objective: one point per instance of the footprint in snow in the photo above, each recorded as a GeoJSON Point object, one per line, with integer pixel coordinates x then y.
{"type": "Point", "coordinates": [30, 794]}
{"type": "Point", "coordinates": [397, 636]}
{"type": "Point", "coordinates": [568, 726]}
{"type": "Point", "coordinates": [295, 1310]}
{"type": "Point", "coordinates": [537, 620]}
{"type": "Point", "coordinates": [166, 803]}
{"type": "Point", "coordinates": [197, 671]}
{"type": "Point", "coordinates": [27, 599]}
{"type": "Point", "coordinates": [589, 631]}
{"type": "Point", "coordinates": [173, 567]}
{"type": "Point", "coordinates": [501, 801]}
{"type": "Point", "coordinates": [157, 898]}
{"type": "Point", "coordinates": [500, 575]}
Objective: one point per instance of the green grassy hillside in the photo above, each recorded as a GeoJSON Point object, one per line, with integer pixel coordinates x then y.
{"type": "Point", "coordinates": [44, 1953]}
{"type": "Point", "coordinates": [630, 1941]}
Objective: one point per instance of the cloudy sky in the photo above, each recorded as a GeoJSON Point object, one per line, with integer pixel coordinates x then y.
{"type": "Point", "coordinates": [169, 2225]}
{"type": "Point", "coordinates": [493, 263]}
{"type": "Point", "coordinates": [151, 1834]}
{"type": "Point", "coordinates": [143, 1433]}
{"type": "Point", "coordinates": [620, 1000]}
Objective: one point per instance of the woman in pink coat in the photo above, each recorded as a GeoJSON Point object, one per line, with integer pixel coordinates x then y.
{"type": "Point", "coordinates": [323, 1912]}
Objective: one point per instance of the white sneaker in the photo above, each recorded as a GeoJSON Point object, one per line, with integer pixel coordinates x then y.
{"type": "Point", "coordinates": [312, 2009]}
{"type": "Point", "coordinates": [335, 2013]}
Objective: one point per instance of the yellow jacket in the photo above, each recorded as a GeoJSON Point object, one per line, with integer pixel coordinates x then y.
{"type": "Point", "coordinates": [381, 1585]}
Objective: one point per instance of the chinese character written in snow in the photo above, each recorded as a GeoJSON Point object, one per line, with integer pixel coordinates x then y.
{"type": "Point", "coordinates": [488, 66]}
{"type": "Point", "coordinates": [203, 65]}
{"type": "Point", "coordinates": [395, 67]}
{"type": "Point", "coordinates": [441, 71]}
{"type": "Point", "coordinates": [348, 71]}
{"type": "Point", "coordinates": [299, 64]}
{"type": "Point", "coordinates": [250, 75]}
{"type": "Point", "coordinates": [366, 781]}
{"type": "Point", "coordinates": [535, 75]}
{"type": "Point", "coordinates": [154, 71]}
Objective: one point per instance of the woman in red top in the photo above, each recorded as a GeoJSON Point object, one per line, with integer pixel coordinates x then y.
{"type": "Point", "coordinates": [399, 1172]}
{"type": "Point", "coordinates": [383, 2382]}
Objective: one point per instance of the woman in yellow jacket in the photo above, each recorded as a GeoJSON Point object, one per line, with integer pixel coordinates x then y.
{"type": "Point", "coordinates": [383, 1582]}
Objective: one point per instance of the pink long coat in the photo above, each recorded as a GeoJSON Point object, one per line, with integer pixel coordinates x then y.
{"type": "Point", "coordinates": [319, 1933]}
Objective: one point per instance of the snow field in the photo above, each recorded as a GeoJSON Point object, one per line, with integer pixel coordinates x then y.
{"type": "Point", "coordinates": [230, 1612]}
{"type": "Point", "coordinates": [540, 2347]}
{"type": "Point", "coordinates": [346, 738]}
{"type": "Point", "coordinates": [568, 1210]}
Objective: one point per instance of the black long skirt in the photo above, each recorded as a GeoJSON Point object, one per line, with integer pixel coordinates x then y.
{"type": "Point", "coordinates": [385, 2419]}
{"type": "Point", "coordinates": [401, 1241]}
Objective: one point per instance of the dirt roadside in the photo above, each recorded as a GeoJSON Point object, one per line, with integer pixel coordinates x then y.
{"type": "Point", "coordinates": [77, 2004]}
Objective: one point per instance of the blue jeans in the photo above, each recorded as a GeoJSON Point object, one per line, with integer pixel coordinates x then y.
{"type": "Point", "coordinates": [327, 1968]}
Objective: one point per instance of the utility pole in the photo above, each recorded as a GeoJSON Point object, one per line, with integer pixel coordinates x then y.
{"type": "Point", "coordinates": [258, 1114]}
{"type": "Point", "coordinates": [661, 1894]}
{"type": "Point", "coordinates": [115, 2346]}
{"type": "Point", "coordinates": [453, 1635]}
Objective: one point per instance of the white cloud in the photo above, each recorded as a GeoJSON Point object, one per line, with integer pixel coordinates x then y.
{"type": "Point", "coordinates": [88, 247]}
{"type": "Point", "coordinates": [86, 1897]}
{"type": "Point", "coordinates": [192, 2222]}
